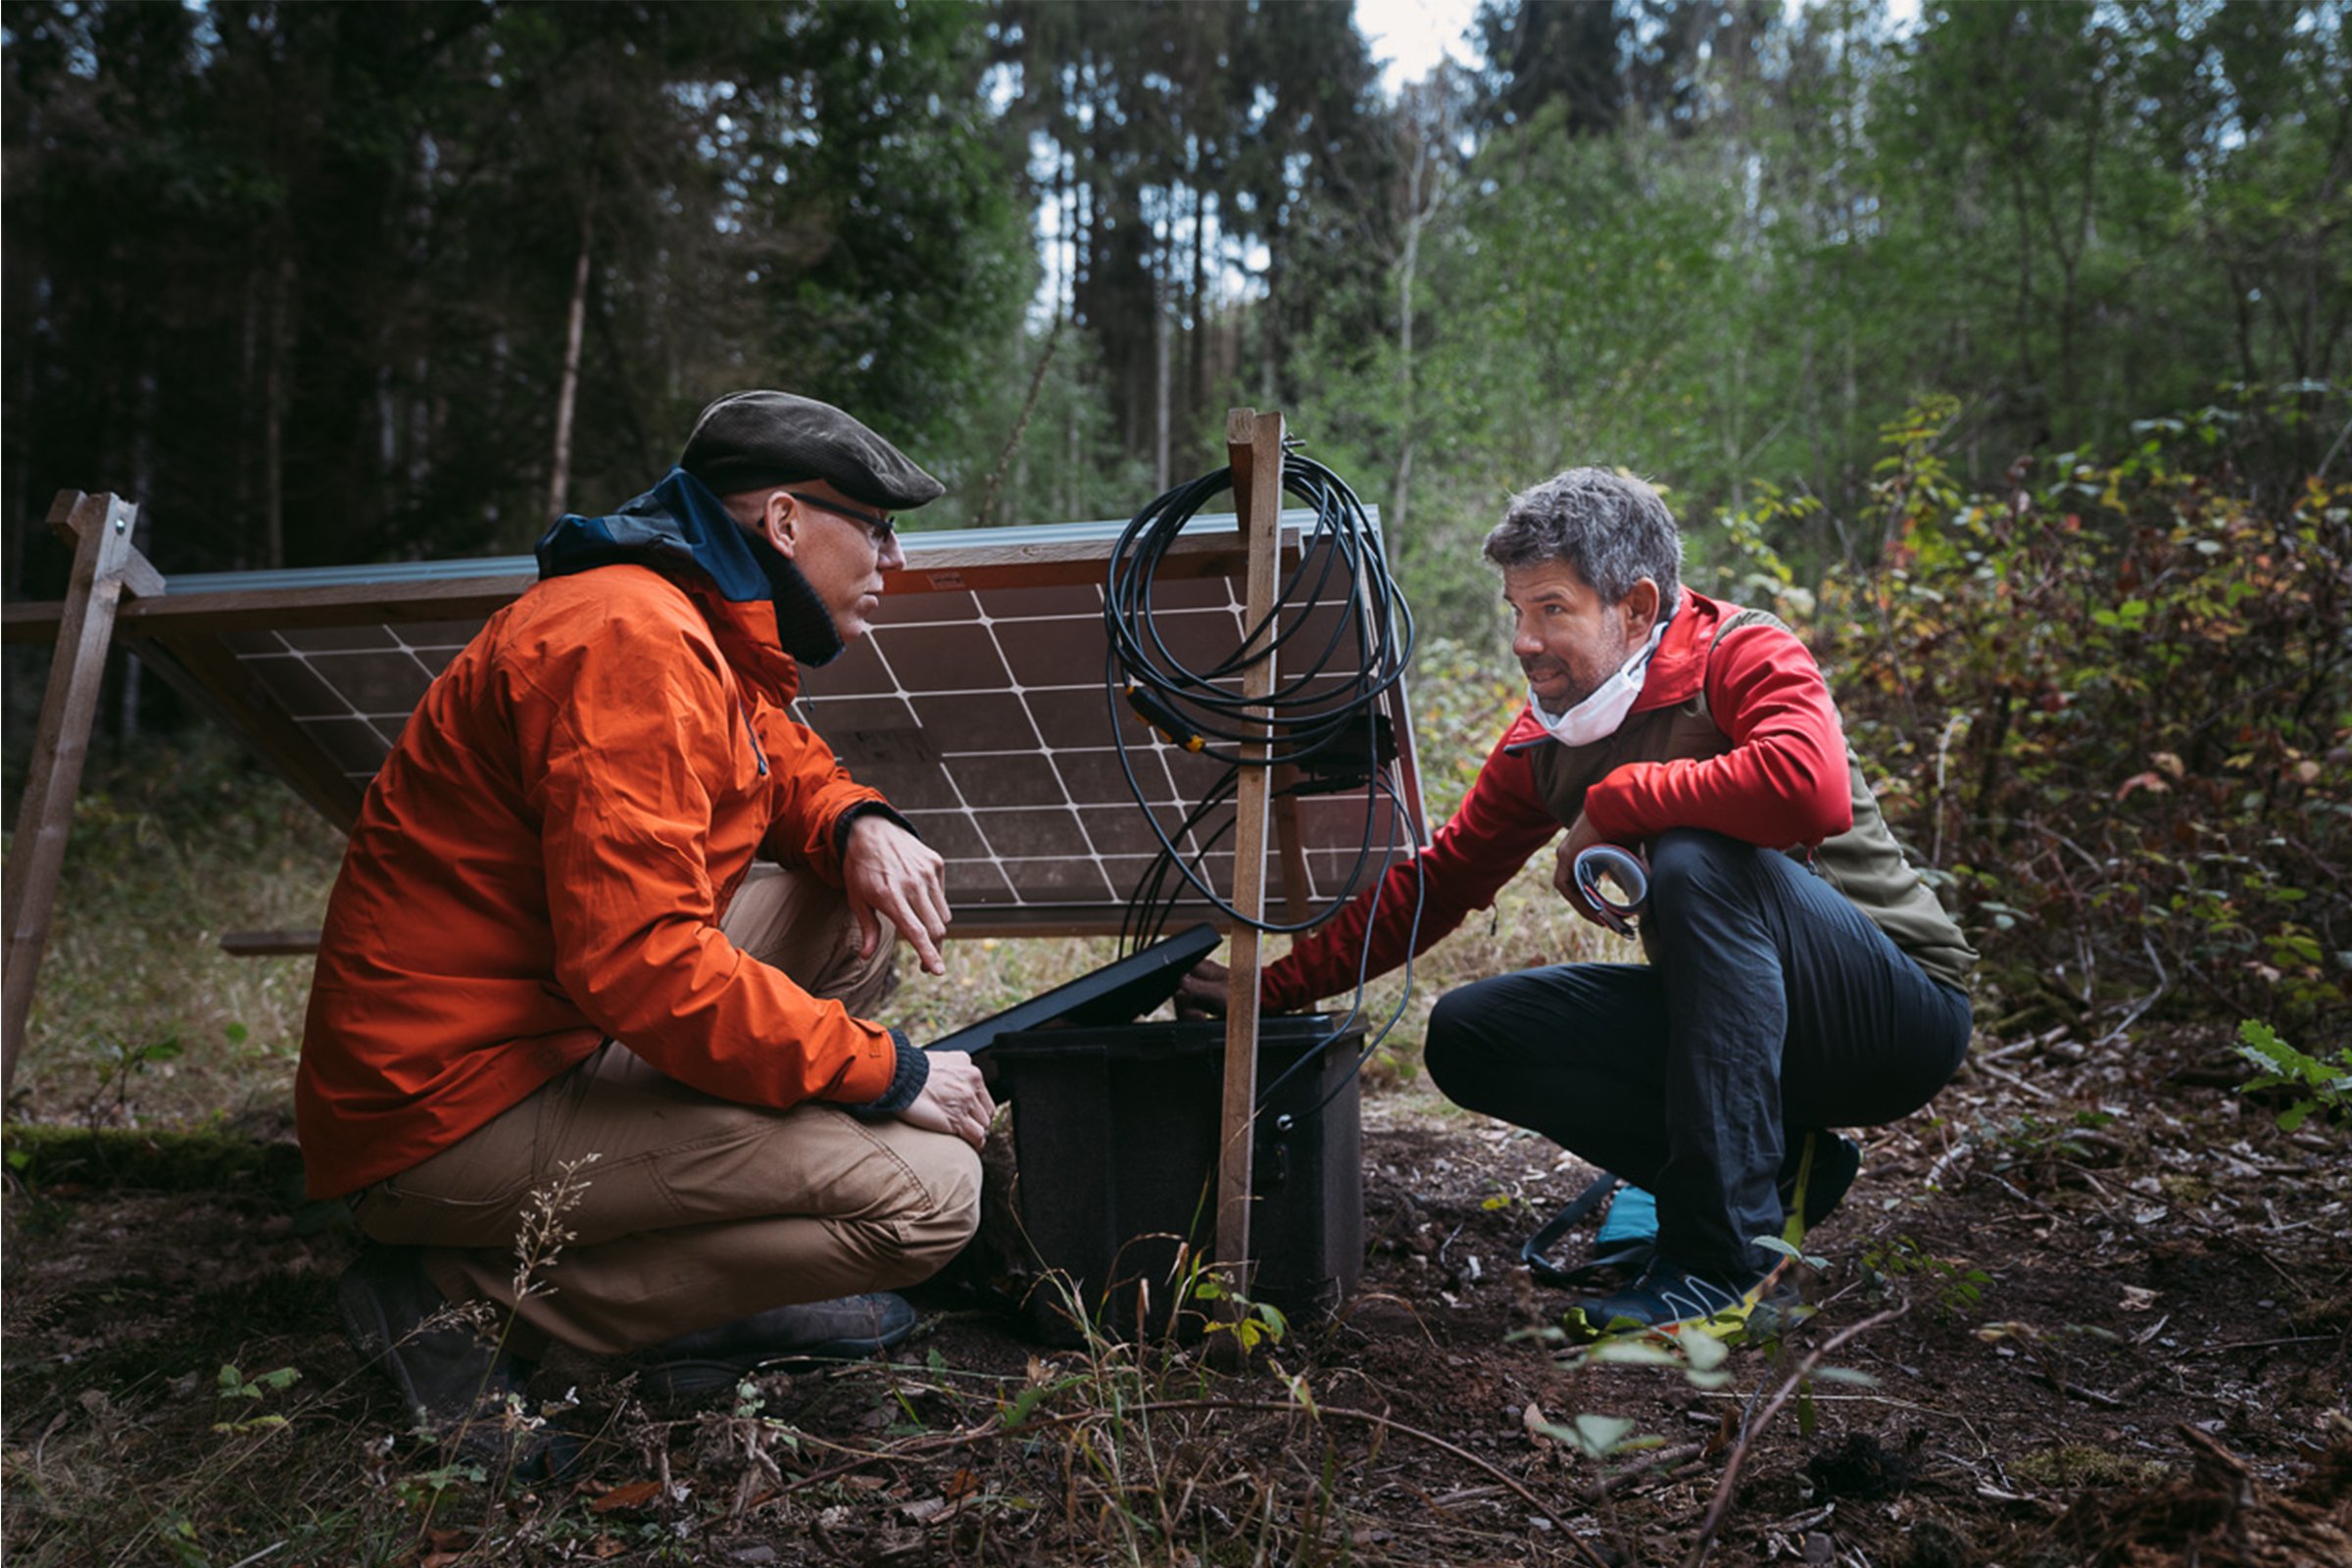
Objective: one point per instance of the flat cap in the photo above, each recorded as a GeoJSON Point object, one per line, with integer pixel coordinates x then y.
{"type": "Point", "coordinates": [749, 439]}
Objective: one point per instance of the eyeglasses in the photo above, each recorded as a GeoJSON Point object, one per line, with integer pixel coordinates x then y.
{"type": "Point", "coordinates": [879, 525]}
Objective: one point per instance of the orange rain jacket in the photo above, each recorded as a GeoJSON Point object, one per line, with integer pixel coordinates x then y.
{"type": "Point", "coordinates": [543, 861]}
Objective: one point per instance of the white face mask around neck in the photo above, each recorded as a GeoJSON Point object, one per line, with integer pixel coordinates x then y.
{"type": "Point", "coordinates": [1598, 717]}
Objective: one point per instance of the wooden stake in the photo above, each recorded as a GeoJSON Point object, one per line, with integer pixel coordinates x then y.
{"type": "Point", "coordinates": [1254, 444]}
{"type": "Point", "coordinates": [103, 562]}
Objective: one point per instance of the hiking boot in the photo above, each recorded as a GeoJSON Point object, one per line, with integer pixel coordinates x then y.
{"type": "Point", "coordinates": [455, 1382]}
{"type": "Point", "coordinates": [1814, 1177]}
{"type": "Point", "coordinates": [848, 1328]}
{"type": "Point", "coordinates": [1675, 1301]}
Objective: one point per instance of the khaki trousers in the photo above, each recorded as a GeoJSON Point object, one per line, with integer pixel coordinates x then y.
{"type": "Point", "coordinates": [694, 1211]}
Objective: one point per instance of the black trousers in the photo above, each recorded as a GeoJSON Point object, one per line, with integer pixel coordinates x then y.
{"type": "Point", "coordinates": [1772, 1006]}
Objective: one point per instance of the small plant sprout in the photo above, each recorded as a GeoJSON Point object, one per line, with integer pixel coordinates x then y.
{"type": "Point", "coordinates": [2319, 1085]}
{"type": "Point", "coordinates": [1597, 1437]}
{"type": "Point", "coordinates": [1699, 1357]}
{"type": "Point", "coordinates": [1251, 1321]}
{"type": "Point", "coordinates": [235, 1385]}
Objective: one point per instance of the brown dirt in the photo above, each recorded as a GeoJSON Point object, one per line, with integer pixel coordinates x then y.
{"type": "Point", "coordinates": [2126, 1322]}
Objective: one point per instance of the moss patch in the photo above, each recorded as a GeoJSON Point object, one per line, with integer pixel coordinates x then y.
{"type": "Point", "coordinates": [2079, 1465]}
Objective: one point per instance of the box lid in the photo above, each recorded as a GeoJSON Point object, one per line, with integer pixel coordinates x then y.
{"type": "Point", "coordinates": [1116, 993]}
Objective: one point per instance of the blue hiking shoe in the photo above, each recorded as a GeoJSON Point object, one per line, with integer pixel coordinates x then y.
{"type": "Point", "coordinates": [1815, 1174]}
{"type": "Point", "coordinates": [1674, 1302]}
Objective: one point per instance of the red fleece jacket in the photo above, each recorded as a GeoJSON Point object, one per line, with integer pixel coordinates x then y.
{"type": "Point", "coordinates": [1783, 782]}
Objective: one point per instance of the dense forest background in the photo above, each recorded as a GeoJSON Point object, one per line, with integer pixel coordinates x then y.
{"type": "Point", "coordinates": [342, 283]}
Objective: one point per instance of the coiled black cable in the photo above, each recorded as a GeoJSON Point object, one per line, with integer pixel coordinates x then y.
{"type": "Point", "coordinates": [1321, 717]}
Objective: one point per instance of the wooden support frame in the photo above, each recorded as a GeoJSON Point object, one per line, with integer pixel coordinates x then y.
{"type": "Point", "coordinates": [106, 567]}
{"type": "Point", "coordinates": [1253, 444]}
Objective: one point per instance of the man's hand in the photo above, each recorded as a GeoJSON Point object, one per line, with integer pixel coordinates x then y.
{"type": "Point", "coordinates": [892, 874]}
{"type": "Point", "coordinates": [954, 1099]}
{"type": "Point", "coordinates": [1202, 992]}
{"type": "Point", "coordinates": [1582, 836]}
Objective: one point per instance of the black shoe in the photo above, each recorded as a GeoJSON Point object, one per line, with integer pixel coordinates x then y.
{"type": "Point", "coordinates": [1814, 1177]}
{"type": "Point", "coordinates": [848, 1328]}
{"type": "Point", "coordinates": [1675, 1301]}
{"type": "Point", "coordinates": [455, 1382]}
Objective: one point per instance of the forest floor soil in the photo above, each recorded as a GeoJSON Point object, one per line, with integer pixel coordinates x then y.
{"type": "Point", "coordinates": [2098, 1310]}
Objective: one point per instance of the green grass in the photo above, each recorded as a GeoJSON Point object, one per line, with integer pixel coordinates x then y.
{"type": "Point", "coordinates": [139, 1017]}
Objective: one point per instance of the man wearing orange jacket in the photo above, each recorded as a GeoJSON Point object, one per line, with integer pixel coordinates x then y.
{"type": "Point", "coordinates": [554, 993]}
{"type": "Point", "coordinates": [1801, 974]}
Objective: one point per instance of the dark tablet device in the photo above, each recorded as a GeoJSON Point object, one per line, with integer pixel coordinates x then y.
{"type": "Point", "coordinates": [1117, 993]}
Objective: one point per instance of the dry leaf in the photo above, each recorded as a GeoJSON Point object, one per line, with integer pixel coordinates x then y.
{"type": "Point", "coordinates": [635, 1495]}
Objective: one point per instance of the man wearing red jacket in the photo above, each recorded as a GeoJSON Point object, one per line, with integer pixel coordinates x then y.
{"type": "Point", "coordinates": [1801, 974]}
{"type": "Point", "coordinates": [555, 995]}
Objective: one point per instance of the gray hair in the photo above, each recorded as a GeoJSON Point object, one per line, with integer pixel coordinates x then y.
{"type": "Point", "coordinates": [1608, 527]}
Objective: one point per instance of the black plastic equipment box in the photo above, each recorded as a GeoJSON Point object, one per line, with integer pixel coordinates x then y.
{"type": "Point", "coordinates": [1116, 1132]}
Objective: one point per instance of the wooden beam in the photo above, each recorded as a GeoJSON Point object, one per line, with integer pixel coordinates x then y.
{"type": "Point", "coordinates": [939, 569]}
{"type": "Point", "coordinates": [139, 576]}
{"type": "Point", "coordinates": [1253, 443]}
{"type": "Point", "coordinates": [101, 525]}
{"type": "Point", "coordinates": [268, 944]}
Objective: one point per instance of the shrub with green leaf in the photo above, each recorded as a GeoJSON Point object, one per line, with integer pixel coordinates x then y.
{"type": "Point", "coordinates": [2111, 703]}
{"type": "Point", "coordinates": [2318, 1085]}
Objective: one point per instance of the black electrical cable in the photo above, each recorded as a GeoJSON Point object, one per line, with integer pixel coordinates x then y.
{"type": "Point", "coordinates": [1324, 707]}
{"type": "Point", "coordinates": [1340, 633]}
{"type": "Point", "coordinates": [1355, 1007]}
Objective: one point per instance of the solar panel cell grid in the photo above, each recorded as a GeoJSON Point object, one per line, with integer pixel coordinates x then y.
{"type": "Point", "coordinates": [976, 705]}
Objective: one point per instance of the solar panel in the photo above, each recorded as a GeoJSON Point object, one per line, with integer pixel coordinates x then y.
{"type": "Point", "coordinates": [977, 703]}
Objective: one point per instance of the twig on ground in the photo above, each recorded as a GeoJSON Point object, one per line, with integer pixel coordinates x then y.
{"type": "Point", "coordinates": [1949, 1157]}
{"type": "Point", "coordinates": [1663, 1459]}
{"type": "Point", "coordinates": [2012, 1079]}
{"type": "Point", "coordinates": [1721, 1503]}
{"type": "Point", "coordinates": [2075, 1391]}
{"type": "Point", "coordinates": [2022, 1197]}
{"type": "Point", "coordinates": [2164, 983]}
{"type": "Point", "coordinates": [2258, 1345]}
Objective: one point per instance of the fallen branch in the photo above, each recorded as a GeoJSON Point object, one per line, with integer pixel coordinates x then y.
{"type": "Point", "coordinates": [1663, 1460]}
{"type": "Point", "coordinates": [1721, 1503]}
{"type": "Point", "coordinates": [2164, 983]}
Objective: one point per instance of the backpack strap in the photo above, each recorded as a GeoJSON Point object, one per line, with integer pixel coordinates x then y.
{"type": "Point", "coordinates": [1545, 1271]}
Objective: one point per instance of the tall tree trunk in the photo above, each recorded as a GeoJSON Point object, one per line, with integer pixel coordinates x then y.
{"type": "Point", "coordinates": [274, 415]}
{"type": "Point", "coordinates": [249, 399]}
{"type": "Point", "coordinates": [1160, 347]}
{"type": "Point", "coordinates": [1196, 380]}
{"type": "Point", "coordinates": [559, 485]}
{"type": "Point", "coordinates": [142, 492]}
{"type": "Point", "coordinates": [1408, 416]}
